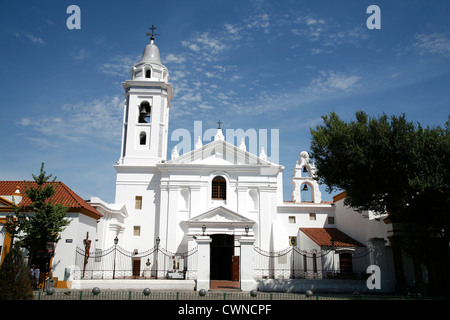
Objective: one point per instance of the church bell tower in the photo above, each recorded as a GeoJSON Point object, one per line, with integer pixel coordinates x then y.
{"type": "Point", "coordinates": [146, 111]}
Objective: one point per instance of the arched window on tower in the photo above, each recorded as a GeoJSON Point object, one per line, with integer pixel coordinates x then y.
{"type": "Point", "coordinates": [142, 138]}
{"type": "Point", "coordinates": [305, 172]}
{"type": "Point", "coordinates": [148, 73]}
{"type": "Point", "coordinates": [144, 112]}
{"type": "Point", "coordinates": [219, 189]}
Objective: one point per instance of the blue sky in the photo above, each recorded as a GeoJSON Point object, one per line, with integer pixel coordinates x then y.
{"type": "Point", "coordinates": [251, 64]}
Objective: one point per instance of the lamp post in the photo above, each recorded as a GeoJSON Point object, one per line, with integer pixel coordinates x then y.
{"type": "Point", "coordinates": [116, 241]}
{"type": "Point", "coordinates": [10, 226]}
{"type": "Point", "coordinates": [293, 244]}
{"type": "Point", "coordinates": [333, 250]}
{"type": "Point", "coordinates": [158, 240]}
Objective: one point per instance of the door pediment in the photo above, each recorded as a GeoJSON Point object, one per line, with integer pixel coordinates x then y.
{"type": "Point", "coordinates": [220, 220]}
{"type": "Point", "coordinates": [220, 215]}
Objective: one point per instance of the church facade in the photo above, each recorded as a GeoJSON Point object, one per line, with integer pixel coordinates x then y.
{"type": "Point", "coordinates": [213, 213]}
{"type": "Point", "coordinates": [218, 199]}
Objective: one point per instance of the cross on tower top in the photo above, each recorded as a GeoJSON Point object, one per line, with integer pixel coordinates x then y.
{"type": "Point", "coordinates": [219, 123]}
{"type": "Point", "coordinates": [152, 34]}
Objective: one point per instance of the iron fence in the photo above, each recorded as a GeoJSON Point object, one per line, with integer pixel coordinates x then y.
{"type": "Point", "coordinates": [158, 263]}
{"type": "Point", "coordinates": [193, 295]}
{"type": "Point", "coordinates": [293, 263]}
{"type": "Point", "coordinates": [118, 263]}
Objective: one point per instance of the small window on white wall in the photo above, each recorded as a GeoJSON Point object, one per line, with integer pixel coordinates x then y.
{"type": "Point", "coordinates": [292, 241]}
{"type": "Point", "coordinates": [330, 220]}
{"type": "Point", "coordinates": [291, 219]}
{"type": "Point", "coordinates": [137, 231]}
{"type": "Point", "coordinates": [219, 188]}
{"type": "Point", "coordinates": [138, 203]}
{"type": "Point", "coordinates": [312, 216]}
{"type": "Point", "coordinates": [142, 138]}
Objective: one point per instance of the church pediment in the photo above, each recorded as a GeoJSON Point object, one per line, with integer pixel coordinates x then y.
{"type": "Point", "coordinates": [219, 152]}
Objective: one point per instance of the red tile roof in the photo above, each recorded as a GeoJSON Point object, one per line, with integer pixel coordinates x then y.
{"type": "Point", "coordinates": [323, 236]}
{"type": "Point", "coordinates": [63, 195]}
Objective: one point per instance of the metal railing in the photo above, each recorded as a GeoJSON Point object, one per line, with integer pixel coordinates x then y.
{"type": "Point", "coordinates": [194, 295]}
{"type": "Point", "coordinates": [118, 263]}
{"type": "Point", "coordinates": [293, 263]}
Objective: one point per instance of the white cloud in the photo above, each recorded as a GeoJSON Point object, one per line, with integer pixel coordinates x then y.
{"type": "Point", "coordinates": [119, 65]}
{"type": "Point", "coordinates": [80, 55]}
{"type": "Point", "coordinates": [174, 58]}
{"type": "Point", "coordinates": [330, 80]}
{"type": "Point", "coordinates": [35, 40]}
{"type": "Point", "coordinates": [259, 22]}
{"type": "Point", "coordinates": [435, 43]}
{"type": "Point", "coordinates": [96, 121]}
{"type": "Point", "coordinates": [205, 107]}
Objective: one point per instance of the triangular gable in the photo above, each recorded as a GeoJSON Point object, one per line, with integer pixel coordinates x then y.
{"type": "Point", "coordinates": [220, 215]}
{"type": "Point", "coordinates": [5, 202]}
{"type": "Point", "coordinates": [219, 152]}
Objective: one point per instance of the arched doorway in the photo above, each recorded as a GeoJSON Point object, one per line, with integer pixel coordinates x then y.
{"type": "Point", "coordinates": [222, 251]}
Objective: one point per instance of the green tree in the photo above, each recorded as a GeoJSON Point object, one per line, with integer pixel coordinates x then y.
{"type": "Point", "coordinates": [15, 282]}
{"type": "Point", "coordinates": [390, 165]}
{"type": "Point", "coordinates": [42, 221]}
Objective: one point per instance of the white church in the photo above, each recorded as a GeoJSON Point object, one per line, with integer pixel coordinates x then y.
{"type": "Point", "coordinates": [214, 213]}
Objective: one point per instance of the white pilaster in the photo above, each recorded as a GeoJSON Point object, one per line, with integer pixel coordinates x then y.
{"type": "Point", "coordinates": [248, 282]}
{"type": "Point", "coordinates": [203, 262]}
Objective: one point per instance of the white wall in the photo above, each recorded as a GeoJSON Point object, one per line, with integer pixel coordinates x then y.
{"type": "Point", "coordinates": [358, 225]}
{"type": "Point", "coordinates": [65, 251]}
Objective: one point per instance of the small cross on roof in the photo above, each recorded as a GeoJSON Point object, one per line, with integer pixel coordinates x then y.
{"type": "Point", "coordinates": [152, 34]}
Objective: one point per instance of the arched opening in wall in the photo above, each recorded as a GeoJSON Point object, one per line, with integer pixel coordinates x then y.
{"type": "Point", "coordinates": [148, 73]}
{"type": "Point", "coordinates": [314, 259]}
{"type": "Point", "coordinates": [305, 172]}
{"type": "Point", "coordinates": [219, 188]}
{"type": "Point", "coordinates": [345, 263]}
{"type": "Point", "coordinates": [142, 138]}
{"type": "Point", "coordinates": [306, 192]}
{"type": "Point", "coordinates": [145, 112]}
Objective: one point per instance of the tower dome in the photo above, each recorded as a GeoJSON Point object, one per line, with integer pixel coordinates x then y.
{"type": "Point", "coordinates": [151, 54]}
{"type": "Point", "coordinates": [150, 66]}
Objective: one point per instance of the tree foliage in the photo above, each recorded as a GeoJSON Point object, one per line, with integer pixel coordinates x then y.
{"type": "Point", "coordinates": [15, 283]}
{"type": "Point", "coordinates": [44, 220]}
{"type": "Point", "coordinates": [392, 166]}
{"type": "Point", "coordinates": [387, 165]}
